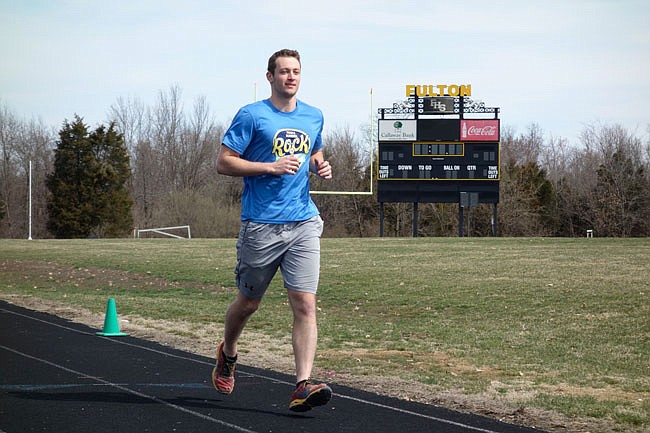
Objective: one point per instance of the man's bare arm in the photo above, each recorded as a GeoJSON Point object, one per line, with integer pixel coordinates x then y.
{"type": "Point", "coordinates": [230, 163]}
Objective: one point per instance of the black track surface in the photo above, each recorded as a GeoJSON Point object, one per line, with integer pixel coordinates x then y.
{"type": "Point", "coordinates": [58, 376]}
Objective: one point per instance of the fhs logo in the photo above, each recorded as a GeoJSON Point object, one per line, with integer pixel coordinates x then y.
{"type": "Point", "coordinates": [291, 142]}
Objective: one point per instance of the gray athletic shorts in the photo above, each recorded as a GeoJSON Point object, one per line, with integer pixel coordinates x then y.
{"type": "Point", "coordinates": [263, 248]}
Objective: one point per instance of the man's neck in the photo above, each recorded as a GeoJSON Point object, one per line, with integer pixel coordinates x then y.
{"type": "Point", "coordinates": [286, 105]}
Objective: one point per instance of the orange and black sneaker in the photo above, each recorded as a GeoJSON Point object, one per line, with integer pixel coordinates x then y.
{"type": "Point", "coordinates": [223, 374]}
{"type": "Point", "coordinates": [307, 395]}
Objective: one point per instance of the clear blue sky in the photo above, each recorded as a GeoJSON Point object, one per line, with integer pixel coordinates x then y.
{"type": "Point", "coordinates": [562, 64]}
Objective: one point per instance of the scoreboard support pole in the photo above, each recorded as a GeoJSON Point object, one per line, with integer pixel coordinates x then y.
{"type": "Point", "coordinates": [415, 219]}
{"type": "Point", "coordinates": [461, 220]}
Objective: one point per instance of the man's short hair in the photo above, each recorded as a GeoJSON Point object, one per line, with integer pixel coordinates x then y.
{"type": "Point", "coordinates": [282, 53]}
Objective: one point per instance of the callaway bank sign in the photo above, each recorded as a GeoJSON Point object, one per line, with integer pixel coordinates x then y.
{"type": "Point", "coordinates": [398, 130]}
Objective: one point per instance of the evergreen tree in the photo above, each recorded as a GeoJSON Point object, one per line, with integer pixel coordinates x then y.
{"type": "Point", "coordinates": [71, 183]}
{"type": "Point", "coordinates": [88, 184]}
{"type": "Point", "coordinates": [530, 199]}
{"type": "Point", "coordinates": [112, 199]}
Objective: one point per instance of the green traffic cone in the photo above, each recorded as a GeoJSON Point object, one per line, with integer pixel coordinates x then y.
{"type": "Point", "coordinates": [111, 325]}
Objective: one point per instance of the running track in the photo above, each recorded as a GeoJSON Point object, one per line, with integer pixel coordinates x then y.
{"type": "Point", "coordinates": [58, 376]}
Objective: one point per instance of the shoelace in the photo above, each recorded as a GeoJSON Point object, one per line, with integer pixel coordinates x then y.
{"type": "Point", "coordinates": [227, 367]}
{"type": "Point", "coordinates": [304, 384]}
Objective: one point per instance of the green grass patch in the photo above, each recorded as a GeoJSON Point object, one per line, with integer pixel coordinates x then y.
{"type": "Point", "coordinates": [454, 313]}
{"type": "Point", "coordinates": [586, 406]}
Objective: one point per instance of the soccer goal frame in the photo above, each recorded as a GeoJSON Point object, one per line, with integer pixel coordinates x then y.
{"type": "Point", "coordinates": [164, 231]}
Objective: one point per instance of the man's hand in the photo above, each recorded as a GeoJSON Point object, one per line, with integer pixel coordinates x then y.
{"type": "Point", "coordinates": [286, 165]}
{"type": "Point", "coordinates": [322, 168]}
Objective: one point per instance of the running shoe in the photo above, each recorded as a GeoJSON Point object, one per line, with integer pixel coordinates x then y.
{"type": "Point", "coordinates": [308, 395]}
{"type": "Point", "coordinates": [223, 374]}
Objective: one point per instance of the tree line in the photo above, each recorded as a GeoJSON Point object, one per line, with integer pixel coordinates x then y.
{"type": "Point", "coordinates": [154, 166]}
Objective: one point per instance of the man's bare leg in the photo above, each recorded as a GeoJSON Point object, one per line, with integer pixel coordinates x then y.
{"type": "Point", "coordinates": [305, 332]}
{"type": "Point", "coordinates": [237, 315]}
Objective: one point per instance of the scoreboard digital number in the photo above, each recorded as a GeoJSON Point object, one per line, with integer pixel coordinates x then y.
{"type": "Point", "coordinates": [422, 160]}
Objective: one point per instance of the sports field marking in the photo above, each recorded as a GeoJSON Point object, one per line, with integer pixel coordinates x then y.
{"type": "Point", "coordinates": [126, 389]}
{"type": "Point", "coordinates": [24, 387]}
{"type": "Point", "coordinates": [239, 370]}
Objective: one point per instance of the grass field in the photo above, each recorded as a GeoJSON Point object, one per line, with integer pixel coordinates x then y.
{"type": "Point", "coordinates": [559, 325]}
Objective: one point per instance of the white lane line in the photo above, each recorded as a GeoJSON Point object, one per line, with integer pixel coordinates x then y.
{"type": "Point", "coordinates": [348, 397]}
{"type": "Point", "coordinates": [130, 391]}
{"type": "Point", "coordinates": [56, 386]}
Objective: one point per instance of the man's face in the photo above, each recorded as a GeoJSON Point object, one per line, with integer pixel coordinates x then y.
{"type": "Point", "coordinates": [286, 79]}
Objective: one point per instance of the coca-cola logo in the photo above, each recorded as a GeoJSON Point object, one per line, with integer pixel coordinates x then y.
{"type": "Point", "coordinates": [486, 130]}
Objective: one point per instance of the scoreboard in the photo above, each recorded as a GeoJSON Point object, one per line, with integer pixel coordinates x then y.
{"type": "Point", "coordinates": [429, 151]}
{"type": "Point", "coordinates": [434, 160]}
{"type": "Point", "coordinates": [438, 161]}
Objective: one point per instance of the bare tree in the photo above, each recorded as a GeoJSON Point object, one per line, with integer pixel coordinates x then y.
{"type": "Point", "coordinates": [199, 144]}
{"type": "Point", "coordinates": [527, 197]}
{"type": "Point", "coordinates": [523, 148]}
{"type": "Point", "coordinates": [35, 146]}
{"type": "Point", "coordinates": [133, 120]}
{"type": "Point", "coordinates": [173, 159]}
{"type": "Point", "coordinates": [620, 202]}
{"type": "Point", "coordinates": [9, 133]}
{"type": "Point", "coordinates": [347, 212]}
{"type": "Point", "coordinates": [22, 142]}
{"type": "Point", "coordinates": [167, 123]}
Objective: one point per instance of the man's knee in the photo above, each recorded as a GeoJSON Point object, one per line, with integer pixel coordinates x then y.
{"type": "Point", "coordinates": [303, 304]}
{"type": "Point", "coordinates": [246, 306]}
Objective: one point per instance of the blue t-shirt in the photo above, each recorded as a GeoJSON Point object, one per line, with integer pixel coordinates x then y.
{"type": "Point", "coordinates": [262, 133]}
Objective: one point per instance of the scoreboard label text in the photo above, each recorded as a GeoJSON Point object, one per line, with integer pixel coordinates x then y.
{"type": "Point", "coordinates": [422, 90]}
